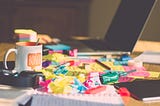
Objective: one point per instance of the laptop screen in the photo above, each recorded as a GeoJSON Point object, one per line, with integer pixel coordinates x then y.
{"type": "Point", "coordinates": [128, 23]}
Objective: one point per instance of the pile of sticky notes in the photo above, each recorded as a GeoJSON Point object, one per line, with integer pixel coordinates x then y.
{"type": "Point", "coordinates": [24, 35]}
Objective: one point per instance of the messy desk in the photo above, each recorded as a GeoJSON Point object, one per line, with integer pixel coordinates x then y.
{"type": "Point", "coordinates": [139, 48]}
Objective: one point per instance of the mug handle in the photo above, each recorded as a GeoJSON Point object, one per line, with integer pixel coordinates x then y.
{"type": "Point", "coordinates": [6, 56]}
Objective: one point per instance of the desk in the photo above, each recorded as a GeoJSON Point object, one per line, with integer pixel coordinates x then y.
{"type": "Point", "coordinates": [139, 47]}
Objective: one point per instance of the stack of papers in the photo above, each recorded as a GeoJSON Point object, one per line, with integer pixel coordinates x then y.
{"type": "Point", "coordinates": [149, 57]}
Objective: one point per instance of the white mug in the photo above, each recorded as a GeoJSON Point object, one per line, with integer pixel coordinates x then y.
{"type": "Point", "coordinates": [28, 56]}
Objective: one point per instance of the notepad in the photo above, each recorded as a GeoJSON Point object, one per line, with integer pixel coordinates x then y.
{"type": "Point", "coordinates": [106, 98]}
{"type": "Point", "coordinates": [145, 90]}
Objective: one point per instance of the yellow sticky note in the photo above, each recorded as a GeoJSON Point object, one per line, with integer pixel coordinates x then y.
{"type": "Point", "coordinates": [117, 68]}
{"type": "Point", "coordinates": [154, 74]}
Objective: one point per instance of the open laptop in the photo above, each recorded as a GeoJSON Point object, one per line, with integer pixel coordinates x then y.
{"type": "Point", "coordinates": [126, 27]}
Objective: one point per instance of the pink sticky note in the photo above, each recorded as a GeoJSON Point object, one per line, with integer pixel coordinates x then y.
{"type": "Point", "coordinates": [125, 79]}
{"type": "Point", "coordinates": [128, 68]}
{"type": "Point", "coordinates": [87, 60]}
{"type": "Point", "coordinates": [140, 74]}
{"type": "Point", "coordinates": [140, 71]}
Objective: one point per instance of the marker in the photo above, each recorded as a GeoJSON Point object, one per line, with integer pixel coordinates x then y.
{"type": "Point", "coordinates": [109, 77]}
{"type": "Point", "coordinates": [113, 76]}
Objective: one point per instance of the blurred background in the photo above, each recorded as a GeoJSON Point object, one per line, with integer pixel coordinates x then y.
{"type": "Point", "coordinates": [67, 18]}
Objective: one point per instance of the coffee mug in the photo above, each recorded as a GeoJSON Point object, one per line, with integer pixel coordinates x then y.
{"type": "Point", "coordinates": [28, 56]}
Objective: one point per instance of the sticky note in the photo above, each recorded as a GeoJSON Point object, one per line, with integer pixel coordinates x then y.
{"type": "Point", "coordinates": [154, 74]}
{"type": "Point", "coordinates": [58, 47]}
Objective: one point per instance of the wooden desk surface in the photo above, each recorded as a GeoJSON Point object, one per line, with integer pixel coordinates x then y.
{"type": "Point", "coordinates": [139, 47]}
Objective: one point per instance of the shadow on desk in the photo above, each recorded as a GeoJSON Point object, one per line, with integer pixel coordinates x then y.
{"type": "Point", "coordinates": [10, 65]}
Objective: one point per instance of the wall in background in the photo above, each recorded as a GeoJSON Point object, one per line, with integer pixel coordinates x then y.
{"type": "Point", "coordinates": [102, 12]}
{"type": "Point", "coordinates": [57, 18]}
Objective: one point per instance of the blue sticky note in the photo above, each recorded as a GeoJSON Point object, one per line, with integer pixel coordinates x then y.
{"type": "Point", "coordinates": [58, 47]}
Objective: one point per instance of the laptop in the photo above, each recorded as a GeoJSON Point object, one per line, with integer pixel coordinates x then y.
{"type": "Point", "coordinates": [126, 27]}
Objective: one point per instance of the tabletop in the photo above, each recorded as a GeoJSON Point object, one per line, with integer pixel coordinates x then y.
{"type": "Point", "coordinates": [139, 48]}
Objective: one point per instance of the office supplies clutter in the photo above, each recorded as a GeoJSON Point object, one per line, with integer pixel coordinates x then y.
{"type": "Point", "coordinates": [69, 80]}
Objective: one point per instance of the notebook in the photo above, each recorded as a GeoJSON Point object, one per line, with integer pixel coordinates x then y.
{"type": "Point", "coordinates": [145, 90]}
{"type": "Point", "coordinates": [126, 27]}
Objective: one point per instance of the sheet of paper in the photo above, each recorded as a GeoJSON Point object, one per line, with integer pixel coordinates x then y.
{"type": "Point", "coordinates": [108, 97]}
{"type": "Point", "coordinates": [11, 96]}
{"type": "Point", "coordinates": [149, 57]}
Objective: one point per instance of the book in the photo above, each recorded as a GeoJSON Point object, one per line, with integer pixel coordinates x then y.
{"type": "Point", "coordinates": [145, 90]}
